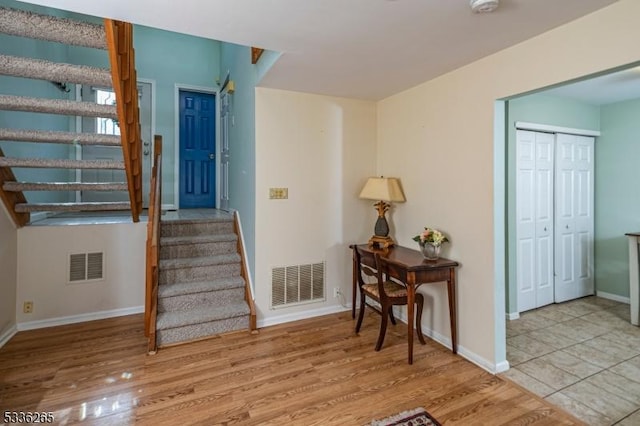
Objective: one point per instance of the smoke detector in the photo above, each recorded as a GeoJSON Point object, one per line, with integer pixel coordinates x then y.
{"type": "Point", "coordinates": [481, 6]}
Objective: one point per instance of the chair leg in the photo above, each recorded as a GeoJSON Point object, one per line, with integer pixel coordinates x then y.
{"type": "Point", "coordinates": [361, 313]}
{"type": "Point", "coordinates": [383, 329]}
{"type": "Point", "coordinates": [391, 316]}
{"type": "Point", "coordinates": [420, 303]}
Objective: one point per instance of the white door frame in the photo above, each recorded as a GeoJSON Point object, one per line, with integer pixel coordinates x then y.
{"type": "Point", "coordinates": [78, 126]}
{"type": "Point", "coordinates": [152, 83]}
{"type": "Point", "coordinates": [176, 162]}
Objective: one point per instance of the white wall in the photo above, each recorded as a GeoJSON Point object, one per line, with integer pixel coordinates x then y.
{"type": "Point", "coordinates": [8, 274]}
{"type": "Point", "coordinates": [439, 137]}
{"type": "Point", "coordinates": [43, 253]}
{"type": "Point", "coordinates": [322, 149]}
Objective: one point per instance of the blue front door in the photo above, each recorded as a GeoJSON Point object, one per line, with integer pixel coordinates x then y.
{"type": "Point", "coordinates": [197, 150]}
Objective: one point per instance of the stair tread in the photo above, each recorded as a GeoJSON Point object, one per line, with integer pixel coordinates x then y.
{"type": "Point", "coordinates": [54, 71]}
{"type": "Point", "coordinates": [57, 106]}
{"type": "Point", "coordinates": [179, 289]}
{"type": "Point", "coordinates": [54, 136]}
{"type": "Point", "coordinates": [62, 163]}
{"type": "Point", "coordinates": [197, 239]}
{"type": "Point", "coordinates": [64, 186]}
{"type": "Point", "coordinates": [199, 220]}
{"type": "Point", "coordinates": [168, 320]}
{"type": "Point", "coordinates": [24, 23]}
{"type": "Point", "coordinates": [219, 259]}
{"type": "Point", "coordinates": [44, 207]}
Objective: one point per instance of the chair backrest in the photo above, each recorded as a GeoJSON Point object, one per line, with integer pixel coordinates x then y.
{"type": "Point", "coordinates": [363, 270]}
{"type": "Point", "coordinates": [382, 275]}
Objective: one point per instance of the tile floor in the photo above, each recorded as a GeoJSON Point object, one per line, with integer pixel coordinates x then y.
{"type": "Point", "coordinates": [582, 355]}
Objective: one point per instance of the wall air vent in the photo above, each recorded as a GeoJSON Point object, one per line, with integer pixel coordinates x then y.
{"type": "Point", "coordinates": [86, 267]}
{"type": "Point", "coordinates": [293, 285]}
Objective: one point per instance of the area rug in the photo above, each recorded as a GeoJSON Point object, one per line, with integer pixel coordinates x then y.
{"type": "Point", "coordinates": [415, 417]}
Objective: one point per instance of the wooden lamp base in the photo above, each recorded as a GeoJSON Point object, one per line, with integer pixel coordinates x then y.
{"type": "Point", "coordinates": [381, 242]}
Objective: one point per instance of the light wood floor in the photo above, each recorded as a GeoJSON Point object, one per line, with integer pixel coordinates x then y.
{"type": "Point", "coordinates": [312, 372]}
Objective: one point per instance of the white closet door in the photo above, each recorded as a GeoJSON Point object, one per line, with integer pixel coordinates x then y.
{"type": "Point", "coordinates": [534, 217]}
{"type": "Point", "coordinates": [574, 217]}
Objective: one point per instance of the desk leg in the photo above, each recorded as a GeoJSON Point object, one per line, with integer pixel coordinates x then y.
{"type": "Point", "coordinates": [411, 297]}
{"type": "Point", "coordinates": [354, 285]}
{"type": "Point", "coordinates": [451, 290]}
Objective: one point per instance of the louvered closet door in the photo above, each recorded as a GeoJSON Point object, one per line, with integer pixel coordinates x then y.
{"type": "Point", "coordinates": [534, 219]}
{"type": "Point", "coordinates": [574, 217]}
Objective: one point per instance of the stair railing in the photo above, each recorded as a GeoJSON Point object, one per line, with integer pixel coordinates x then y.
{"type": "Point", "coordinates": [153, 246]}
{"type": "Point", "coordinates": [244, 272]}
{"type": "Point", "coordinates": [123, 74]}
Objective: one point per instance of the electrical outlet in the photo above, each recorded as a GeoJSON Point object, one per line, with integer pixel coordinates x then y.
{"type": "Point", "coordinates": [27, 308]}
{"type": "Point", "coordinates": [336, 292]}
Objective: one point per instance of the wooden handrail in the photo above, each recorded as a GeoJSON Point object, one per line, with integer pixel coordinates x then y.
{"type": "Point", "coordinates": [153, 246]}
{"type": "Point", "coordinates": [123, 74]}
{"type": "Point", "coordinates": [10, 199]}
{"type": "Point", "coordinates": [248, 293]}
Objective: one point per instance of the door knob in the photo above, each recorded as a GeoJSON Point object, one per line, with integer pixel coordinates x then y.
{"type": "Point", "coordinates": [145, 143]}
{"type": "Point", "coordinates": [212, 156]}
{"type": "Point", "coordinates": [145, 152]}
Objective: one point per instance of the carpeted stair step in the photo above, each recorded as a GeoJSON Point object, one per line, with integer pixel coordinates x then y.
{"type": "Point", "coordinates": [73, 138]}
{"type": "Point", "coordinates": [183, 228]}
{"type": "Point", "coordinates": [197, 246]}
{"type": "Point", "coordinates": [60, 163]}
{"type": "Point", "coordinates": [50, 28]}
{"type": "Point", "coordinates": [194, 295]}
{"type": "Point", "coordinates": [71, 207]}
{"type": "Point", "coordinates": [198, 268]}
{"type": "Point", "coordinates": [53, 71]}
{"type": "Point", "coordinates": [64, 186]}
{"type": "Point", "coordinates": [57, 106]}
{"type": "Point", "coordinates": [182, 326]}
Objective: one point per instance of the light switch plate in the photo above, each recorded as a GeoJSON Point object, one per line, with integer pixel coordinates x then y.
{"type": "Point", "coordinates": [278, 193]}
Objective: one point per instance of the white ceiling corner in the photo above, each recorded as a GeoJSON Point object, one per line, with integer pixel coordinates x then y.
{"type": "Point", "coordinates": [365, 49]}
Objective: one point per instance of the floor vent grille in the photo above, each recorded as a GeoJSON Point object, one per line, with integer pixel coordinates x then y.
{"type": "Point", "coordinates": [292, 285]}
{"type": "Point", "coordinates": [86, 267]}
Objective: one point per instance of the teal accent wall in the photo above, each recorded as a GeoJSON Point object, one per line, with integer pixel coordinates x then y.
{"type": "Point", "coordinates": [540, 109]}
{"type": "Point", "coordinates": [18, 46]}
{"type": "Point", "coordinates": [617, 200]}
{"type": "Point", "coordinates": [236, 60]}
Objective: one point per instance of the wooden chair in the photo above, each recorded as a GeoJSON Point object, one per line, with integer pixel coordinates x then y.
{"type": "Point", "coordinates": [386, 292]}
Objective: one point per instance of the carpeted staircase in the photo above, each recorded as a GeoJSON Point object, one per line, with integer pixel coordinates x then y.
{"type": "Point", "coordinates": [201, 290]}
{"type": "Point", "coordinates": [26, 24]}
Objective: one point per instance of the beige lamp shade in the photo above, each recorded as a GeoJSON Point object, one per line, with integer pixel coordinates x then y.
{"type": "Point", "coordinates": [382, 188]}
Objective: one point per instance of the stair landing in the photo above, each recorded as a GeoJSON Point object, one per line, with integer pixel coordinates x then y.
{"type": "Point", "coordinates": [106, 217]}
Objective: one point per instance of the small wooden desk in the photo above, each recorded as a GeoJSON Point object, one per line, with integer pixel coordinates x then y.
{"type": "Point", "coordinates": [410, 267]}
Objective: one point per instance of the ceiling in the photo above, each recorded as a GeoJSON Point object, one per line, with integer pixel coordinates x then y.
{"type": "Point", "coordinates": [607, 89]}
{"type": "Point", "coordinates": [365, 49]}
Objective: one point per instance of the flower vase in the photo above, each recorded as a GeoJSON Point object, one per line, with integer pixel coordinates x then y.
{"type": "Point", "coordinates": [430, 251]}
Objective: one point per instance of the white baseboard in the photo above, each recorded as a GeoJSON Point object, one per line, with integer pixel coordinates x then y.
{"type": "Point", "coordinates": [613, 297]}
{"type": "Point", "coordinates": [91, 316]}
{"type": "Point", "coordinates": [296, 316]}
{"type": "Point", "coordinates": [445, 341]}
{"type": "Point", "coordinates": [501, 367]}
{"type": "Point", "coordinates": [513, 316]}
{"type": "Point", "coordinates": [7, 334]}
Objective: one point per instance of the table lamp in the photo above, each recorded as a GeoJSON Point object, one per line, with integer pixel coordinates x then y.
{"type": "Point", "coordinates": [384, 190]}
